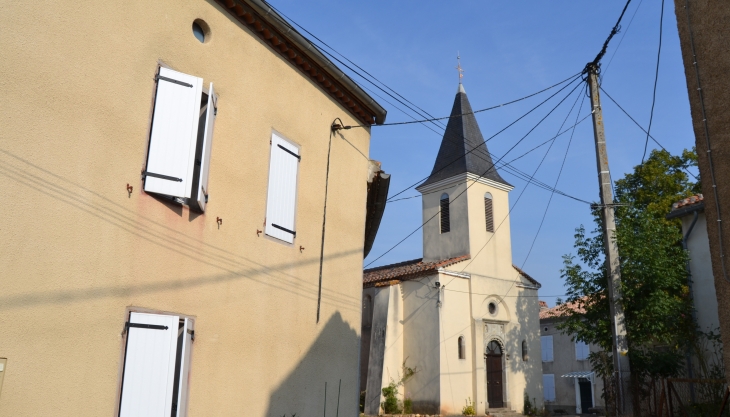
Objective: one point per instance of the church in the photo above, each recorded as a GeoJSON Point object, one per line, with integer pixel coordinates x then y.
{"type": "Point", "coordinates": [463, 317]}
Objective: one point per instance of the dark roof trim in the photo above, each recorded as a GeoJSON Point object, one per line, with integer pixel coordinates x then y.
{"type": "Point", "coordinates": [528, 277]}
{"type": "Point", "coordinates": [273, 30]}
{"type": "Point", "coordinates": [683, 211]}
{"type": "Point", "coordinates": [376, 200]}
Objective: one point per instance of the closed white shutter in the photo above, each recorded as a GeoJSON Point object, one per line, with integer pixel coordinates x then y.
{"type": "Point", "coordinates": [171, 155]}
{"type": "Point", "coordinates": [207, 144]}
{"type": "Point", "coordinates": [581, 351]}
{"type": "Point", "coordinates": [547, 348]}
{"type": "Point", "coordinates": [149, 366]}
{"type": "Point", "coordinates": [282, 192]}
{"type": "Point", "coordinates": [548, 387]}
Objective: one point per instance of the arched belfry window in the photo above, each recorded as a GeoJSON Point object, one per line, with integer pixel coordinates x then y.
{"type": "Point", "coordinates": [462, 348]}
{"type": "Point", "coordinates": [445, 219]}
{"type": "Point", "coordinates": [488, 212]}
{"type": "Point", "coordinates": [524, 350]}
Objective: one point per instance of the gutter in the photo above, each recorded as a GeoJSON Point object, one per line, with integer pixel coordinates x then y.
{"type": "Point", "coordinates": [277, 21]}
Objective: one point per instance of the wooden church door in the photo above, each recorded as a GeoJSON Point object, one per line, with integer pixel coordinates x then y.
{"type": "Point", "coordinates": [494, 375]}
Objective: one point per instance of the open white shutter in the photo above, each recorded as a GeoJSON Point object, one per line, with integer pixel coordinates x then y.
{"type": "Point", "coordinates": [282, 192]}
{"type": "Point", "coordinates": [182, 399]}
{"type": "Point", "coordinates": [207, 144]}
{"type": "Point", "coordinates": [149, 366]}
{"type": "Point", "coordinates": [548, 387]}
{"type": "Point", "coordinates": [171, 155]}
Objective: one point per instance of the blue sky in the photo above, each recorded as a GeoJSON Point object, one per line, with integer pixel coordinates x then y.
{"type": "Point", "coordinates": [508, 50]}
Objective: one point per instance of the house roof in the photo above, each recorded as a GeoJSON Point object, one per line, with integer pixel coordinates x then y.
{"type": "Point", "coordinates": [557, 311]}
{"type": "Point", "coordinates": [686, 206]}
{"type": "Point", "coordinates": [462, 147]}
{"type": "Point", "coordinates": [392, 274]}
{"type": "Point", "coordinates": [278, 34]}
{"type": "Point", "coordinates": [402, 271]}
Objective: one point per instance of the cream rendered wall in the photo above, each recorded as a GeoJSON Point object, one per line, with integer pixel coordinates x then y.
{"type": "Point", "coordinates": [457, 383]}
{"type": "Point", "coordinates": [703, 283]}
{"type": "Point", "coordinates": [393, 355]}
{"type": "Point", "coordinates": [437, 245]}
{"type": "Point", "coordinates": [76, 251]}
{"type": "Point", "coordinates": [421, 346]}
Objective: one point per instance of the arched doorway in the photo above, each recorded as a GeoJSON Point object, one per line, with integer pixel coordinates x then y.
{"type": "Point", "coordinates": [495, 380]}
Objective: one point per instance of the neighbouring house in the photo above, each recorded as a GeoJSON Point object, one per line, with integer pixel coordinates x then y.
{"type": "Point", "coordinates": [568, 381]}
{"type": "Point", "coordinates": [462, 316]}
{"type": "Point", "coordinates": [166, 169]}
{"type": "Point", "coordinates": [700, 281]}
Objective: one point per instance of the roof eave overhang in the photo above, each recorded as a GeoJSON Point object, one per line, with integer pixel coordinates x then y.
{"type": "Point", "coordinates": [683, 211]}
{"type": "Point", "coordinates": [466, 176]}
{"type": "Point", "coordinates": [296, 49]}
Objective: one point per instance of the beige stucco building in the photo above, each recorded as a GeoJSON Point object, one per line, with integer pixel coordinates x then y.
{"type": "Point", "coordinates": [165, 168]}
{"type": "Point", "coordinates": [462, 316]}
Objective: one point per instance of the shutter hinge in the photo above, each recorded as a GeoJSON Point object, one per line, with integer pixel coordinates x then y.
{"type": "Point", "coordinates": [215, 111]}
{"type": "Point", "coordinates": [164, 177]}
{"type": "Point", "coordinates": [159, 77]}
{"type": "Point", "coordinates": [284, 229]}
{"type": "Point", "coordinates": [192, 334]}
{"type": "Point", "coordinates": [145, 326]}
{"type": "Point", "coordinates": [290, 152]}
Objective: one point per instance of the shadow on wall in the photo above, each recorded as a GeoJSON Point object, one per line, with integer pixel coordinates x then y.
{"type": "Point", "coordinates": [527, 314]}
{"type": "Point", "coordinates": [331, 358]}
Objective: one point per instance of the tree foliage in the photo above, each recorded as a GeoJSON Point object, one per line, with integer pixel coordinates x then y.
{"type": "Point", "coordinates": [655, 294]}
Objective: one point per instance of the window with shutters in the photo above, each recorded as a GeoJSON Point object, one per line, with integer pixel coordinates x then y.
{"type": "Point", "coordinates": [488, 212]}
{"type": "Point", "coordinates": [445, 218]}
{"type": "Point", "coordinates": [548, 387]}
{"type": "Point", "coordinates": [581, 351]}
{"type": "Point", "coordinates": [181, 137]}
{"type": "Point", "coordinates": [156, 365]}
{"type": "Point", "coordinates": [281, 201]}
{"type": "Point", "coordinates": [546, 343]}
{"type": "Point", "coordinates": [462, 348]}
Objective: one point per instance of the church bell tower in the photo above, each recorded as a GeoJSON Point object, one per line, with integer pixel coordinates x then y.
{"type": "Point", "coordinates": [467, 198]}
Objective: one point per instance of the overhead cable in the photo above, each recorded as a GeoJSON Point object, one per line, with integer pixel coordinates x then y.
{"type": "Point", "coordinates": [656, 79]}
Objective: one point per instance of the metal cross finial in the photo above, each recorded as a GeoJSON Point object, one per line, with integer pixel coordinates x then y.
{"type": "Point", "coordinates": [458, 67]}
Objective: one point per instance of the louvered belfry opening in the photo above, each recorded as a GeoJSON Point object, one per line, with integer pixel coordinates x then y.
{"type": "Point", "coordinates": [445, 219]}
{"type": "Point", "coordinates": [488, 212]}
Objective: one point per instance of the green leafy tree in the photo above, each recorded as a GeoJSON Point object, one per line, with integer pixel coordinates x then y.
{"type": "Point", "coordinates": [655, 295]}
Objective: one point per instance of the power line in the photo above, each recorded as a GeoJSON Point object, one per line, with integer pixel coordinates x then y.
{"type": "Point", "coordinates": [614, 31]}
{"type": "Point", "coordinates": [480, 110]}
{"type": "Point", "coordinates": [480, 176]}
{"type": "Point", "coordinates": [487, 140]}
{"type": "Point", "coordinates": [656, 79]}
{"type": "Point", "coordinates": [640, 127]}
{"type": "Point", "coordinates": [604, 70]}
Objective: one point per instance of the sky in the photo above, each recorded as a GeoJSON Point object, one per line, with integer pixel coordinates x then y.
{"type": "Point", "coordinates": [509, 50]}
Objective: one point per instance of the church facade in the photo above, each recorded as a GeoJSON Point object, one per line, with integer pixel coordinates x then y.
{"type": "Point", "coordinates": [463, 317]}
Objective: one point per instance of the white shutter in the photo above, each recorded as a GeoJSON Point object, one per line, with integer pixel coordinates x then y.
{"type": "Point", "coordinates": [149, 366]}
{"type": "Point", "coordinates": [548, 387]}
{"type": "Point", "coordinates": [207, 143]}
{"type": "Point", "coordinates": [182, 401]}
{"type": "Point", "coordinates": [581, 351]}
{"type": "Point", "coordinates": [282, 192]}
{"type": "Point", "coordinates": [547, 348]}
{"type": "Point", "coordinates": [171, 155]}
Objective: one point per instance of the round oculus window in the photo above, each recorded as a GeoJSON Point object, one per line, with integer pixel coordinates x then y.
{"type": "Point", "coordinates": [492, 308]}
{"type": "Point", "coordinates": [201, 30]}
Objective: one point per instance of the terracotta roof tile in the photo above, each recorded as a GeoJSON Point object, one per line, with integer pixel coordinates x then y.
{"type": "Point", "coordinates": [383, 275]}
{"type": "Point", "coordinates": [557, 311]}
{"type": "Point", "coordinates": [695, 199]}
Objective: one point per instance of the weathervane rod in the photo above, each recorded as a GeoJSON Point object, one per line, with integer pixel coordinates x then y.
{"type": "Point", "coordinates": [458, 66]}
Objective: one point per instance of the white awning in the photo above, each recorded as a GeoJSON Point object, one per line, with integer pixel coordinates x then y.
{"type": "Point", "coordinates": [579, 374]}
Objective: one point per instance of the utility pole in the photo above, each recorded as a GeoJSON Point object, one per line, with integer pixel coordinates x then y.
{"type": "Point", "coordinates": [620, 346]}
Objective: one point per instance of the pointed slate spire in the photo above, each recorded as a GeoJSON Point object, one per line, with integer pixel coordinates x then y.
{"type": "Point", "coordinates": [462, 135]}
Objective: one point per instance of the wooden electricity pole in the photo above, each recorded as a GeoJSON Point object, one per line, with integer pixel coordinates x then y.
{"type": "Point", "coordinates": [620, 347]}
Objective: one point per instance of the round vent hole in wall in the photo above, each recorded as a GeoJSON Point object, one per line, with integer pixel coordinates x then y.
{"type": "Point", "coordinates": [492, 308]}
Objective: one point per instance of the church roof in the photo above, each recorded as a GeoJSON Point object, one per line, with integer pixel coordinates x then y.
{"type": "Point", "coordinates": [383, 275]}
{"type": "Point", "coordinates": [402, 271]}
{"type": "Point", "coordinates": [462, 135]}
